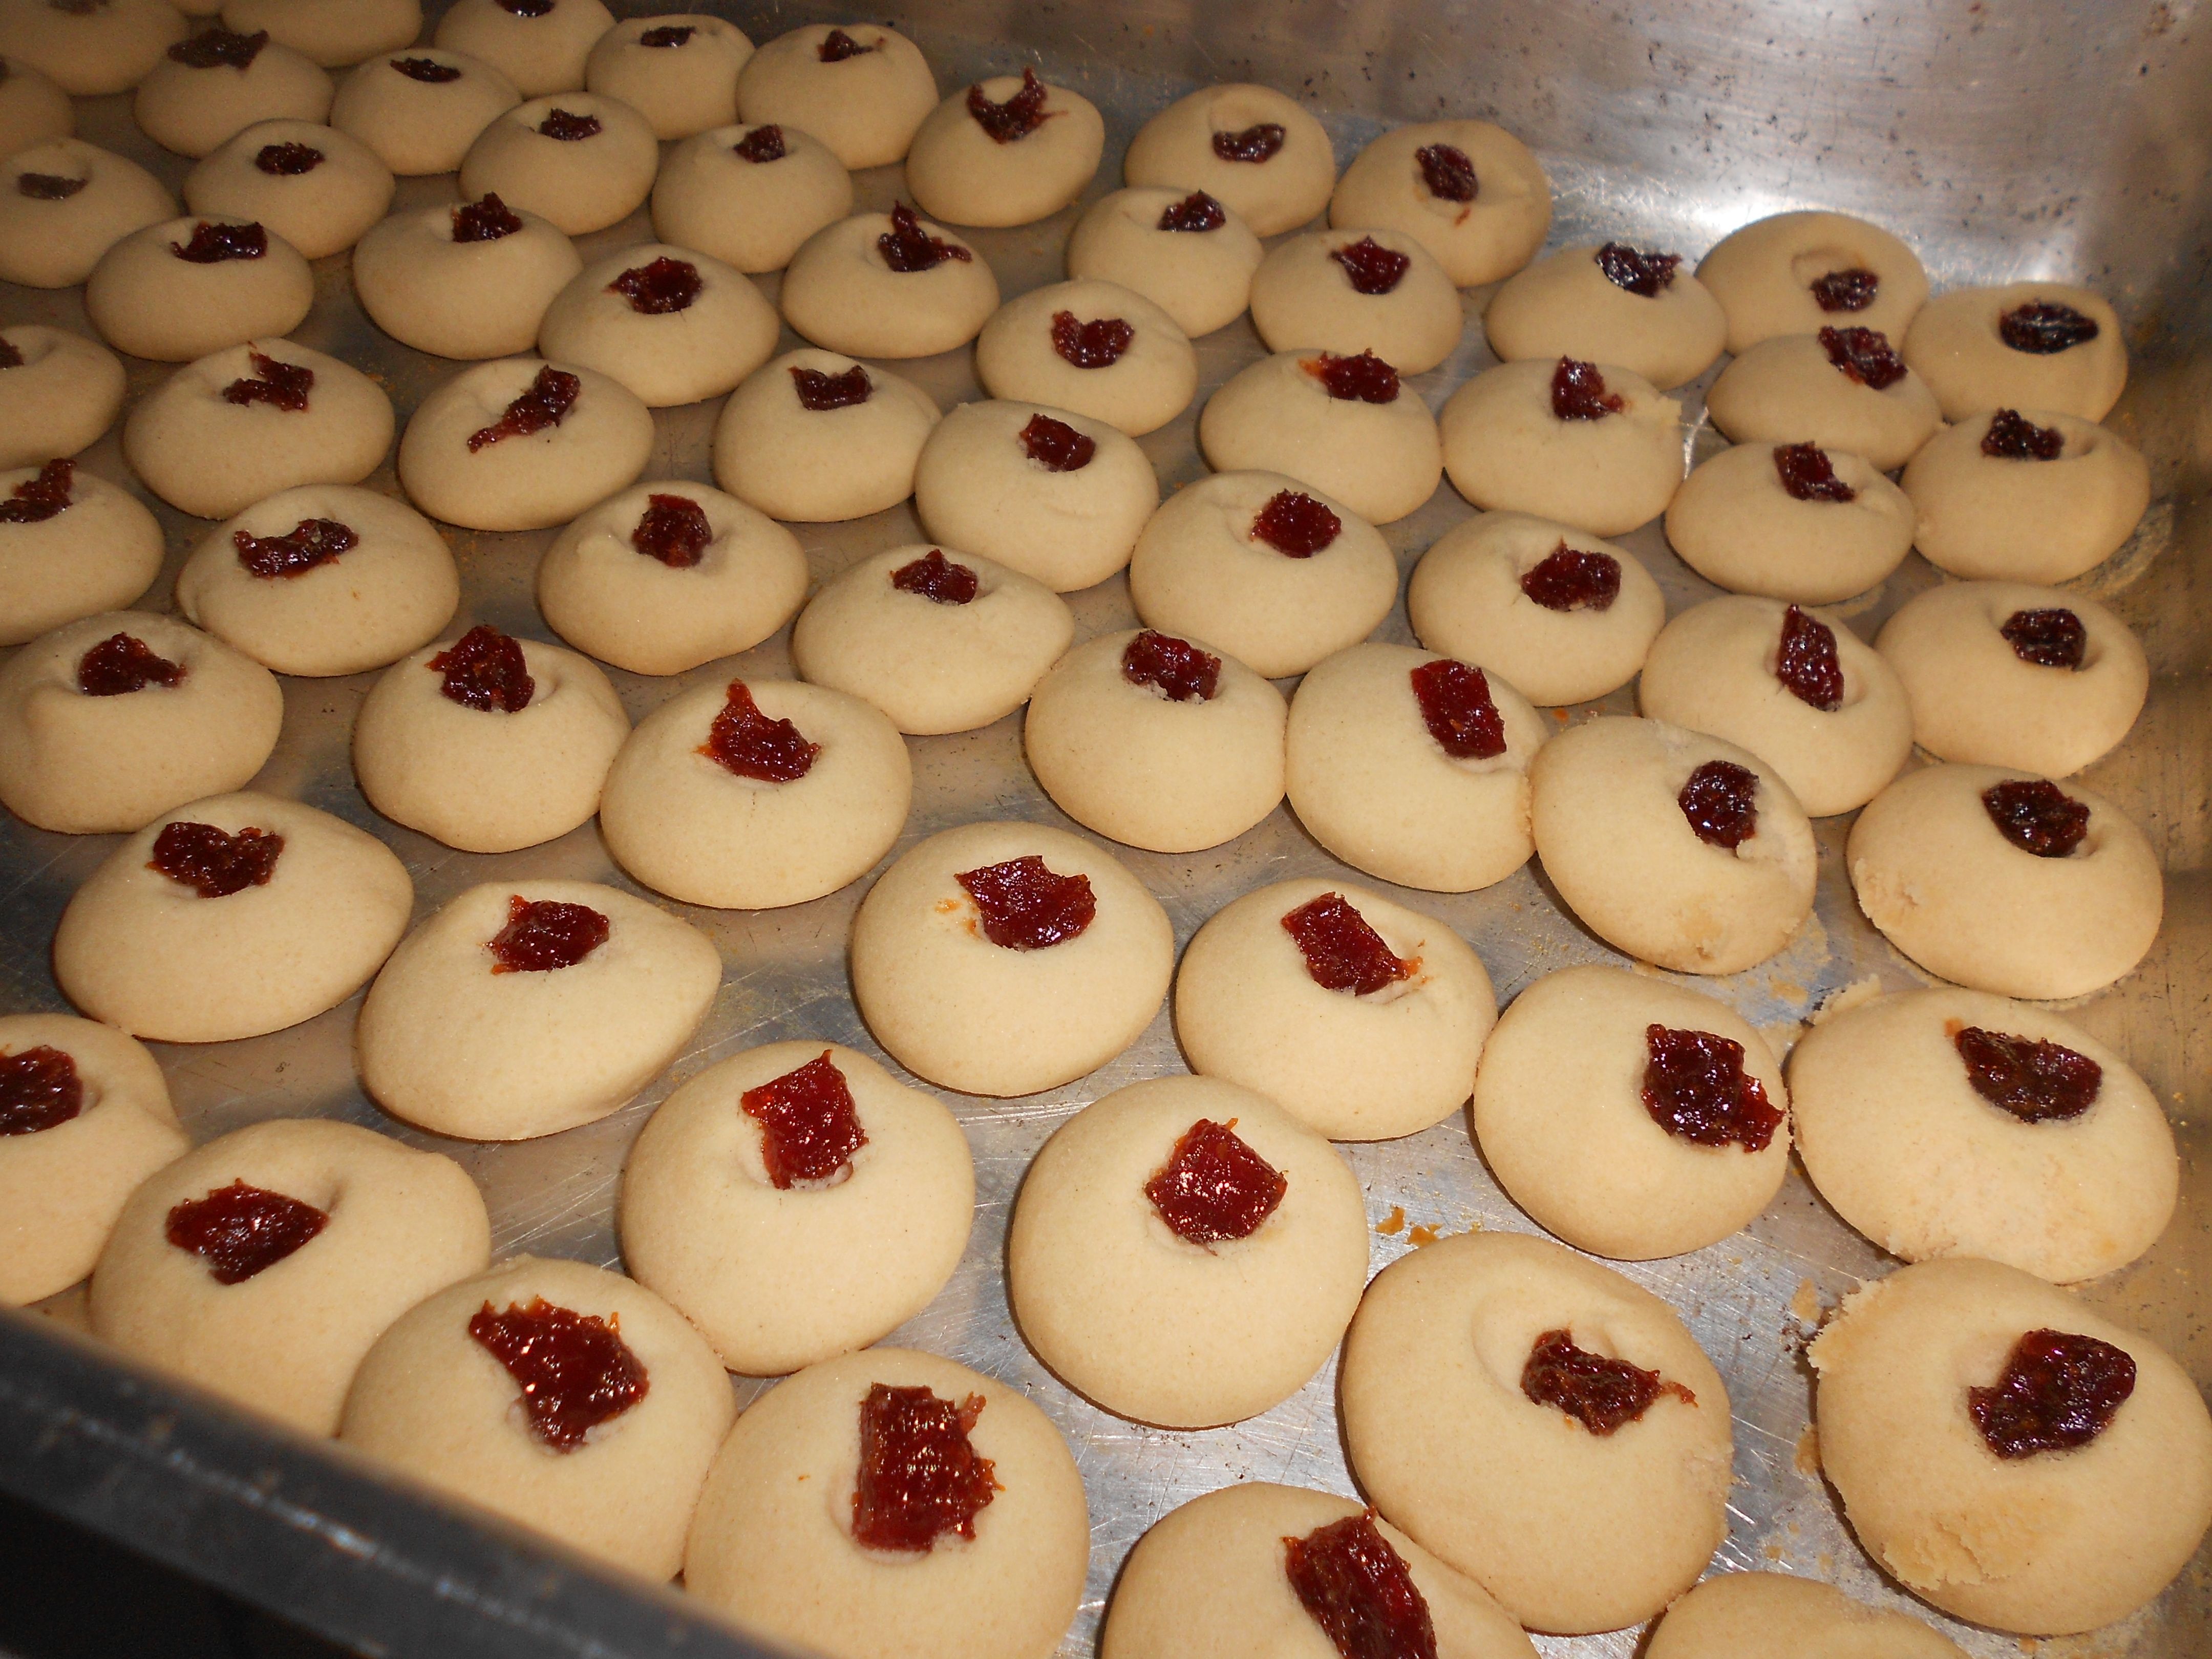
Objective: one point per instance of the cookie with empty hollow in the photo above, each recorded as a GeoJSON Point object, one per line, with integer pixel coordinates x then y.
{"type": "Point", "coordinates": [863, 91]}
{"type": "Point", "coordinates": [1092, 347]}
{"type": "Point", "coordinates": [541, 47]}
{"type": "Point", "coordinates": [582, 160]}
{"type": "Point", "coordinates": [749, 195]}
{"type": "Point", "coordinates": [1797, 273]}
{"type": "Point", "coordinates": [1790, 520]}
{"type": "Point", "coordinates": [815, 436]}
{"type": "Point", "coordinates": [521, 443]}
{"type": "Point", "coordinates": [219, 82]}
{"type": "Point", "coordinates": [1844, 388]}
{"type": "Point", "coordinates": [1471, 193]}
{"type": "Point", "coordinates": [887, 285]}
{"type": "Point", "coordinates": [1255, 149]}
{"type": "Point", "coordinates": [2024, 496]}
{"type": "Point", "coordinates": [680, 72]}
{"type": "Point", "coordinates": [187, 287]}
{"type": "Point", "coordinates": [1009, 151]}
{"type": "Point", "coordinates": [1356, 290]}
{"type": "Point", "coordinates": [420, 110]}
{"type": "Point", "coordinates": [64, 203]}
{"type": "Point", "coordinates": [1345, 425]}
{"type": "Point", "coordinates": [2023, 345]}
{"type": "Point", "coordinates": [473, 280]}
{"type": "Point", "coordinates": [1612, 303]}
{"type": "Point", "coordinates": [1183, 251]}
{"type": "Point", "coordinates": [77, 546]}
{"type": "Point", "coordinates": [673, 325]}
{"type": "Point", "coordinates": [1588, 444]}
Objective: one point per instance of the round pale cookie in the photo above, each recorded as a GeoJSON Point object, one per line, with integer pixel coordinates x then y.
{"type": "Point", "coordinates": [243, 941]}
{"type": "Point", "coordinates": [814, 437]}
{"type": "Point", "coordinates": [1950, 889]}
{"type": "Point", "coordinates": [941, 642]}
{"type": "Point", "coordinates": [1350, 291]}
{"type": "Point", "coordinates": [2048, 1542]}
{"type": "Point", "coordinates": [1052, 494]}
{"type": "Point", "coordinates": [842, 292]}
{"type": "Point", "coordinates": [670, 574]}
{"type": "Point", "coordinates": [679, 71]}
{"type": "Point", "coordinates": [32, 107]}
{"type": "Point", "coordinates": [1249, 562]}
{"type": "Point", "coordinates": [79, 201]}
{"type": "Point", "coordinates": [88, 50]}
{"type": "Point", "coordinates": [672, 326]}
{"type": "Point", "coordinates": [421, 109]}
{"type": "Point", "coordinates": [101, 736]}
{"type": "Point", "coordinates": [952, 1005]}
{"type": "Point", "coordinates": [1093, 347]}
{"type": "Point", "coordinates": [1371, 443]}
{"type": "Point", "coordinates": [84, 1117]}
{"type": "Point", "coordinates": [298, 597]}
{"type": "Point", "coordinates": [1157, 742]}
{"type": "Point", "coordinates": [1564, 617]}
{"type": "Point", "coordinates": [1508, 445]}
{"type": "Point", "coordinates": [750, 196]}
{"type": "Point", "coordinates": [313, 185]}
{"type": "Point", "coordinates": [1609, 303]}
{"type": "Point", "coordinates": [468, 280]}
{"type": "Point", "coordinates": [2057, 693]}
{"type": "Point", "coordinates": [1506, 1485]}
{"type": "Point", "coordinates": [1798, 273]}
{"type": "Point", "coordinates": [477, 774]}
{"type": "Point", "coordinates": [1369, 775]}
{"type": "Point", "coordinates": [2024, 496]}
{"type": "Point", "coordinates": [1605, 1143]}
{"type": "Point", "coordinates": [999, 153]}
{"type": "Point", "coordinates": [481, 451]}
{"type": "Point", "coordinates": [62, 391]}
{"type": "Point", "coordinates": [609, 1461]}
{"type": "Point", "coordinates": [1472, 193]}
{"type": "Point", "coordinates": [332, 33]}
{"type": "Point", "coordinates": [1252, 148]}
{"type": "Point", "coordinates": [1791, 521]}
{"type": "Point", "coordinates": [781, 1265]}
{"type": "Point", "coordinates": [774, 1545]}
{"type": "Point", "coordinates": [373, 1228]}
{"type": "Point", "coordinates": [181, 289]}
{"type": "Point", "coordinates": [524, 1008]}
{"type": "Point", "coordinates": [1184, 252]}
{"type": "Point", "coordinates": [541, 48]}
{"type": "Point", "coordinates": [864, 92]}
{"type": "Point", "coordinates": [217, 83]}
{"type": "Point", "coordinates": [823, 794]}
{"type": "Point", "coordinates": [1610, 806]}
{"type": "Point", "coordinates": [1837, 730]}
{"type": "Point", "coordinates": [246, 422]}
{"type": "Point", "coordinates": [2024, 345]}
{"type": "Point", "coordinates": [99, 553]}
{"type": "Point", "coordinates": [1805, 388]}
{"type": "Point", "coordinates": [1948, 1122]}
{"type": "Point", "coordinates": [1364, 1023]}
{"type": "Point", "coordinates": [1772, 1615]}
{"type": "Point", "coordinates": [582, 160]}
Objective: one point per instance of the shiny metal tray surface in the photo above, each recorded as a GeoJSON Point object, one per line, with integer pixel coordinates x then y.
{"type": "Point", "coordinates": [2064, 137]}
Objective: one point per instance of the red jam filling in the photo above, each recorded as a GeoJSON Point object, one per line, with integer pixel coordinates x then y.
{"type": "Point", "coordinates": [39, 1090]}
{"type": "Point", "coordinates": [39, 498]}
{"type": "Point", "coordinates": [1296, 526]}
{"type": "Point", "coordinates": [526, 8]}
{"type": "Point", "coordinates": [1578, 393]}
{"type": "Point", "coordinates": [673, 529]}
{"type": "Point", "coordinates": [837, 46]}
{"type": "Point", "coordinates": [918, 1477]}
{"type": "Point", "coordinates": [1647, 275]}
{"type": "Point", "coordinates": [1851, 289]}
{"type": "Point", "coordinates": [1178, 669]}
{"type": "Point", "coordinates": [574, 1371]}
{"type": "Point", "coordinates": [1342, 952]}
{"type": "Point", "coordinates": [542, 935]}
{"type": "Point", "coordinates": [219, 48]}
{"type": "Point", "coordinates": [212, 245]}
{"type": "Point", "coordinates": [1567, 579]}
{"type": "Point", "coordinates": [122, 664]}
{"type": "Point", "coordinates": [762, 145]}
{"type": "Point", "coordinates": [1864, 355]}
{"type": "Point", "coordinates": [1022, 905]}
{"type": "Point", "coordinates": [288, 160]}
{"type": "Point", "coordinates": [1366, 379]}
{"type": "Point", "coordinates": [275, 382]}
{"type": "Point", "coordinates": [2058, 1391]}
{"type": "Point", "coordinates": [48, 186]}
{"type": "Point", "coordinates": [2036, 1082]}
{"type": "Point", "coordinates": [746, 742]}
{"type": "Point", "coordinates": [1359, 1591]}
{"type": "Point", "coordinates": [668, 34]}
{"type": "Point", "coordinates": [1214, 1187]}
{"type": "Point", "coordinates": [1805, 661]}
{"type": "Point", "coordinates": [1196, 212]}
{"type": "Point", "coordinates": [1447, 171]}
{"type": "Point", "coordinates": [1098, 343]}
{"type": "Point", "coordinates": [486, 221]}
{"type": "Point", "coordinates": [2011, 438]}
{"type": "Point", "coordinates": [215, 864]}
{"type": "Point", "coordinates": [2044, 328]}
{"type": "Point", "coordinates": [820, 392]}
{"type": "Point", "coordinates": [240, 1231]}
{"type": "Point", "coordinates": [2053, 638]}
{"type": "Point", "coordinates": [1808, 474]}
{"type": "Point", "coordinates": [1695, 1086]}
{"type": "Point", "coordinates": [485, 670]}
{"type": "Point", "coordinates": [543, 405]}
{"type": "Point", "coordinates": [1018, 117]}
{"type": "Point", "coordinates": [1372, 268]}
{"type": "Point", "coordinates": [937, 578]}
{"type": "Point", "coordinates": [656, 290]}
{"type": "Point", "coordinates": [569, 127]}
{"type": "Point", "coordinates": [1604, 1395]}
{"type": "Point", "coordinates": [809, 1126]}
{"type": "Point", "coordinates": [906, 248]}
{"type": "Point", "coordinates": [1254, 143]}
{"type": "Point", "coordinates": [309, 542]}
{"type": "Point", "coordinates": [1055, 446]}
{"type": "Point", "coordinates": [1721, 803]}
{"type": "Point", "coordinates": [429, 70]}
{"type": "Point", "coordinates": [2037, 816]}
{"type": "Point", "coordinates": [1458, 709]}
{"type": "Point", "coordinates": [10, 356]}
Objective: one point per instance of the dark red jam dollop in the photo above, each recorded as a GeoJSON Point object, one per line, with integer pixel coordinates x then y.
{"type": "Point", "coordinates": [748, 743]}
{"type": "Point", "coordinates": [485, 670]}
{"type": "Point", "coordinates": [1178, 669]}
{"type": "Point", "coordinates": [526, 8]}
{"type": "Point", "coordinates": [288, 160]}
{"type": "Point", "coordinates": [2053, 638]}
{"type": "Point", "coordinates": [1254, 143]}
{"type": "Point", "coordinates": [1864, 355]}
{"type": "Point", "coordinates": [1359, 1591]}
{"type": "Point", "coordinates": [668, 34]}
{"type": "Point", "coordinates": [673, 529]}
{"type": "Point", "coordinates": [1567, 579]}
{"type": "Point", "coordinates": [1647, 275]}
{"type": "Point", "coordinates": [429, 70]}
{"type": "Point", "coordinates": [1806, 662]}
{"type": "Point", "coordinates": [275, 382]}
{"type": "Point", "coordinates": [1849, 289]}
{"type": "Point", "coordinates": [936, 578]}
{"type": "Point", "coordinates": [1055, 446]}
{"type": "Point", "coordinates": [122, 664]}
{"type": "Point", "coordinates": [1372, 268]}
{"type": "Point", "coordinates": [2058, 1391]}
{"type": "Point", "coordinates": [2011, 438]}
{"type": "Point", "coordinates": [2044, 328]}
{"type": "Point", "coordinates": [1018, 117]}
{"type": "Point", "coordinates": [837, 46]}
{"type": "Point", "coordinates": [2036, 1082]}
{"type": "Point", "coordinates": [212, 244]}
{"type": "Point", "coordinates": [213, 863]}
{"type": "Point", "coordinates": [1026, 906]}
{"type": "Point", "coordinates": [39, 498]}
{"type": "Point", "coordinates": [1458, 709]}
{"type": "Point", "coordinates": [1098, 343]}
{"type": "Point", "coordinates": [1196, 212]}
{"type": "Point", "coordinates": [2037, 816]}
{"type": "Point", "coordinates": [1366, 379]}
{"type": "Point", "coordinates": [657, 290]}
{"type": "Point", "coordinates": [1342, 952]}
{"type": "Point", "coordinates": [762, 145]}
{"type": "Point", "coordinates": [486, 221]}
{"type": "Point", "coordinates": [820, 392]}
{"type": "Point", "coordinates": [10, 356]}
{"type": "Point", "coordinates": [1448, 172]}
{"type": "Point", "coordinates": [809, 1126]}
{"type": "Point", "coordinates": [539, 408]}
{"type": "Point", "coordinates": [1695, 1086]}
{"type": "Point", "coordinates": [1296, 526]}
{"type": "Point", "coordinates": [219, 48]}
{"type": "Point", "coordinates": [574, 1369]}
{"type": "Point", "coordinates": [1214, 1187]}
{"type": "Point", "coordinates": [1603, 1394]}
{"type": "Point", "coordinates": [39, 1090]}
{"type": "Point", "coordinates": [240, 1231]}
{"type": "Point", "coordinates": [906, 248]}
{"type": "Point", "coordinates": [1721, 802]}
{"type": "Point", "coordinates": [309, 542]}
{"type": "Point", "coordinates": [48, 186]}
{"type": "Point", "coordinates": [1578, 393]}
{"type": "Point", "coordinates": [542, 935]}
{"type": "Point", "coordinates": [918, 1477]}
{"type": "Point", "coordinates": [1808, 474]}
{"type": "Point", "coordinates": [569, 127]}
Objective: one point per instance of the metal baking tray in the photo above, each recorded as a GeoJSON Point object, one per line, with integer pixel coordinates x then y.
{"type": "Point", "coordinates": [2045, 137]}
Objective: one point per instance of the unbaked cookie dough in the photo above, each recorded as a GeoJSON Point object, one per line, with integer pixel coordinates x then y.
{"type": "Point", "coordinates": [1916, 1369]}
{"type": "Point", "coordinates": [1772, 1615]}
{"type": "Point", "coordinates": [814, 436]}
{"type": "Point", "coordinates": [1564, 617]}
{"type": "Point", "coordinates": [672, 326]}
{"type": "Point", "coordinates": [65, 203]}
{"type": "Point", "coordinates": [1610, 304]}
{"type": "Point", "coordinates": [89, 51]}
{"type": "Point", "coordinates": [670, 574]}
{"type": "Point", "coordinates": [2006, 882]}
{"type": "Point", "coordinates": [796, 1202]}
{"type": "Point", "coordinates": [887, 285]}
{"type": "Point", "coordinates": [1252, 148]}
{"type": "Point", "coordinates": [750, 196]}
{"type": "Point", "coordinates": [1362, 1018]}
{"type": "Point", "coordinates": [679, 71]}
{"type": "Point", "coordinates": [540, 47]}
{"type": "Point", "coordinates": [313, 185]}
{"type": "Point", "coordinates": [353, 1230]}
{"type": "Point", "coordinates": [217, 83]}
{"type": "Point", "coordinates": [863, 91]}
{"type": "Point", "coordinates": [2024, 345]}
{"type": "Point", "coordinates": [1009, 151]}
{"type": "Point", "coordinates": [97, 549]}
{"type": "Point", "coordinates": [1357, 290]}
{"type": "Point", "coordinates": [32, 107]}
{"type": "Point", "coordinates": [1470, 192]}
{"type": "Point", "coordinates": [1346, 425]}
{"type": "Point", "coordinates": [1798, 273]}
{"type": "Point", "coordinates": [1458, 1392]}
{"type": "Point", "coordinates": [1674, 847]}
{"type": "Point", "coordinates": [473, 280]}
{"type": "Point", "coordinates": [1084, 964]}
{"type": "Point", "coordinates": [421, 109]}
{"type": "Point", "coordinates": [2025, 495]}
{"type": "Point", "coordinates": [1586, 444]}
{"type": "Point", "coordinates": [62, 391]}
{"type": "Point", "coordinates": [1414, 766]}
{"type": "Point", "coordinates": [181, 289]}
{"type": "Point", "coordinates": [1790, 520]}
{"type": "Point", "coordinates": [605, 1451]}
{"type": "Point", "coordinates": [331, 33]}
{"type": "Point", "coordinates": [1633, 1117]}
{"type": "Point", "coordinates": [1183, 251]}
{"type": "Point", "coordinates": [521, 443]}
{"type": "Point", "coordinates": [1092, 347]}
{"type": "Point", "coordinates": [582, 160]}
{"type": "Point", "coordinates": [1844, 388]}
